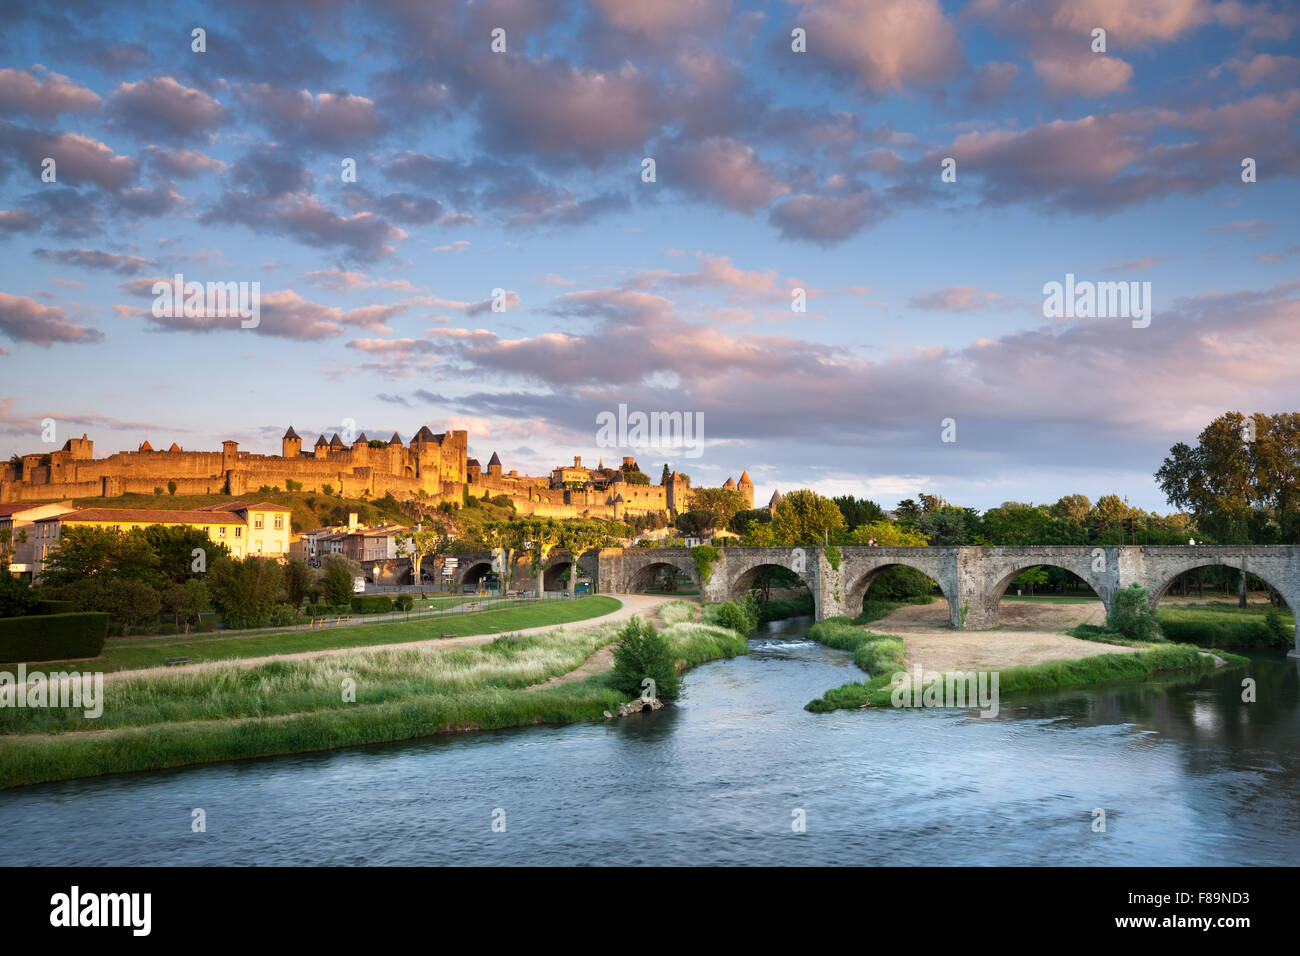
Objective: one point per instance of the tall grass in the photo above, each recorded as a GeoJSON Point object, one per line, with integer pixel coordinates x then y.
{"type": "Point", "coordinates": [675, 612]}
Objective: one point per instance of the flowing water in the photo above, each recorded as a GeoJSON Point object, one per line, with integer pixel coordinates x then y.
{"type": "Point", "coordinates": [1185, 771]}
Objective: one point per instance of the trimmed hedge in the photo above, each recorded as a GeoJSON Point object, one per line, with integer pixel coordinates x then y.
{"type": "Point", "coordinates": [372, 604]}
{"type": "Point", "coordinates": [52, 637]}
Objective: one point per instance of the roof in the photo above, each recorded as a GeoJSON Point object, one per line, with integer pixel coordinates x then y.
{"type": "Point", "coordinates": [145, 446]}
{"type": "Point", "coordinates": [147, 516]}
{"type": "Point", "coordinates": [395, 440]}
{"type": "Point", "coordinates": [9, 510]}
{"type": "Point", "coordinates": [744, 478]}
{"type": "Point", "coordinates": [494, 460]}
{"type": "Point", "coordinates": [776, 498]}
{"type": "Point", "coordinates": [729, 483]}
{"type": "Point", "coordinates": [242, 506]}
{"type": "Point", "coordinates": [362, 439]}
{"type": "Point", "coordinates": [291, 433]}
{"type": "Point", "coordinates": [424, 434]}
{"type": "Point", "coordinates": [336, 441]}
{"type": "Point", "coordinates": [472, 462]}
{"type": "Point", "coordinates": [175, 447]}
{"type": "Point", "coordinates": [321, 441]}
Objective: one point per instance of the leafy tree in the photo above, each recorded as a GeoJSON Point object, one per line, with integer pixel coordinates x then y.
{"type": "Point", "coordinates": [175, 545]}
{"type": "Point", "coordinates": [888, 534]}
{"type": "Point", "coordinates": [129, 602]}
{"type": "Point", "coordinates": [17, 598]}
{"type": "Point", "coordinates": [297, 581]}
{"type": "Point", "coordinates": [1030, 578]}
{"type": "Point", "coordinates": [336, 579]}
{"type": "Point", "coordinates": [1071, 508]}
{"type": "Point", "coordinates": [804, 517]}
{"type": "Point", "coordinates": [642, 653]}
{"type": "Point", "coordinates": [720, 503]}
{"type": "Point", "coordinates": [245, 591]}
{"type": "Point", "coordinates": [695, 522]}
{"type": "Point", "coordinates": [423, 541]}
{"type": "Point", "coordinates": [171, 488]}
{"type": "Point", "coordinates": [858, 511]}
{"type": "Point", "coordinates": [89, 551]}
{"type": "Point", "coordinates": [186, 600]}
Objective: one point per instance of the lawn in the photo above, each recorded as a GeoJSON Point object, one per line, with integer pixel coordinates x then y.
{"type": "Point", "coordinates": [272, 642]}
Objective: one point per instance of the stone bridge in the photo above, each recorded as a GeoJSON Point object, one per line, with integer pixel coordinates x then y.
{"type": "Point", "coordinates": [973, 579]}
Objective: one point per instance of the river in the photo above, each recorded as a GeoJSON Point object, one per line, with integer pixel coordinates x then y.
{"type": "Point", "coordinates": [1186, 773]}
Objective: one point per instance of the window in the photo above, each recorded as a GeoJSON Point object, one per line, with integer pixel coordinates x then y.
{"type": "Point", "coordinates": [257, 522]}
{"type": "Point", "coordinates": [279, 522]}
{"type": "Point", "coordinates": [221, 532]}
{"type": "Point", "coordinates": [239, 532]}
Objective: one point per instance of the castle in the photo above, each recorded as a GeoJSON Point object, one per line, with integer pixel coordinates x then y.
{"type": "Point", "coordinates": [431, 467]}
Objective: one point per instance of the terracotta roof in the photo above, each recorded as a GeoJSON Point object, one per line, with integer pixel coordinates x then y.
{"type": "Point", "coordinates": [744, 478]}
{"type": "Point", "coordinates": [145, 446]}
{"type": "Point", "coordinates": [729, 483]}
{"type": "Point", "coordinates": [7, 510]}
{"type": "Point", "coordinates": [147, 516]}
{"type": "Point", "coordinates": [242, 506]}
{"type": "Point", "coordinates": [291, 433]}
{"type": "Point", "coordinates": [175, 447]}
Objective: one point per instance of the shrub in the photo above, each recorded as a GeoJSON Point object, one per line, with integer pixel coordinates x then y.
{"type": "Point", "coordinates": [337, 582]}
{"type": "Point", "coordinates": [52, 637]}
{"type": "Point", "coordinates": [733, 616]}
{"type": "Point", "coordinates": [403, 602]}
{"type": "Point", "coordinates": [643, 653]}
{"type": "Point", "coordinates": [1131, 614]}
{"type": "Point", "coordinates": [282, 615]}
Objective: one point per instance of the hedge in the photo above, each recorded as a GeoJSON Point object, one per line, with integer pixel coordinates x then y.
{"type": "Point", "coordinates": [52, 637]}
{"type": "Point", "coordinates": [371, 604]}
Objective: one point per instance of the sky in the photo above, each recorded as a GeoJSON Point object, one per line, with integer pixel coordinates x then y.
{"type": "Point", "coordinates": [521, 174]}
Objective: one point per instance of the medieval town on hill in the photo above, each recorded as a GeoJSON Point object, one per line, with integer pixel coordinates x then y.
{"type": "Point", "coordinates": [42, 494]}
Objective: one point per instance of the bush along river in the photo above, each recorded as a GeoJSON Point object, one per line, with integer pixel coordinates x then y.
{"type": "Point", "coordinates": [738, 772]}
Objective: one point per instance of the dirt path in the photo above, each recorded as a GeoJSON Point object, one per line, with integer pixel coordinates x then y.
{"type": "Point", "coordinates": [1028, 634]}
{"type": "Point", "coordinates": [631, 604]}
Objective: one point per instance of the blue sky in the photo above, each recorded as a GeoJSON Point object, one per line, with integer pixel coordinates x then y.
{"type": "Point", "coordinates": [522, 171]}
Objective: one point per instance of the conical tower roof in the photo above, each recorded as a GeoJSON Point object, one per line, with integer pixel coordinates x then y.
{"type": "Point", "coordinates": [291, 433]}
{"type": "Point", "coordinates": [321, 441]}
{"type": "Point", "coordinates": [395, 440]}
{"type": "Point", "coordinates": [494, 460]}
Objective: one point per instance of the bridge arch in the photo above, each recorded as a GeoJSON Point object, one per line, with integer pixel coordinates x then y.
{"type": "Point", "coordinates": [472, 572]}
{"type": "Point", "coordinates": [643, 573]}
{"type": "Point", "coordinates": [746, 579]}
{"type": "Point", "coordinates": [856, 590]}
{"type": "Point", "coordinates": [1274, 578]}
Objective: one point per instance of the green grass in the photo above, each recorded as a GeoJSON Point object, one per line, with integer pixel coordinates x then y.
{"type": "Point", "coordinates": [882, 656]}
{"type": "Point", "coordinates": [274, 642]}
{"type": "Point", "coordinates": [1220, 624]}
{"type": "Point", "coordinates": [778, 609]}
{"type": "Point", "coordinates": [874, 610]}
{"type": "Point", "coordinates": [171, 719]}
{"type": "Point", "coordinates": [1053, 598]}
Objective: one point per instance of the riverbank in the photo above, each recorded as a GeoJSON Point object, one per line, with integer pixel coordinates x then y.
{"type": "Point", "coordinates": [232, 711]}
{"type": "Point", "coordinates": [882, 656]}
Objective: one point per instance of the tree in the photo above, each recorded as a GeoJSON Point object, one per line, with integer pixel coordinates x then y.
{"type": "Point", "coordinates": [171, 488]}
{"type": "Point", "coordinates": [539, 538]}
{"type": "Point", "coordinates": [175, 546]}
{"type": "Point", "coordinates": [1131, 614]}
{"type": "Point", "coordinates": [297, 581]}
{"type": "Point", "coordinates": [1241, 481]}
{"type": "Point", "coordinates": [336, 579]}
{"type": "Point", "coordinates": [186, 600]}
{"type": "Point", "coordinates": [245, 591]}
{"type": "Point", "coordinates": [17, 598]}
{"type": "Point", "coordinates": [85, 551]}
{"type": "Point", "coordinates": [422, 542]}
{"type": "Point", "coordinates": [721, 503]}
{"type": "Point", "coordinates": [1030, 578]}
{"type": "Point", "coordinates": [858, 511]}
{"type": "Point", "coordinates": [643, 653]}
{"type": "Point", "coordinates": [888, 534]}
{"type": "Point", "coordinates": [1071, 508]}
{"type": "Point", "coordinates": [129, 602]}
{"type": "Point", "coordinates": [804, 517]}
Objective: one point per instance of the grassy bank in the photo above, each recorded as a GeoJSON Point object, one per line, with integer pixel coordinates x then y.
{"type": "Point", "coordinates": [1220, 624]}
{"type": "Point", "coordinates": [163, 720]}
{"type": "Point", "coordinates": [873, 610]}
{"type": "Point", "coordinates": [270, 643]}
{"type": "Point", "coordinates": [882, 656]}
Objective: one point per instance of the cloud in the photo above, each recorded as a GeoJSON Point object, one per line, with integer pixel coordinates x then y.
{"type": "Point", "coordinates": [77, 158]}
{"type": "Point", "coordinates": [96, 259]}
{"type": "Point", "coordinates": [25, 320]}
{"type": "Point", "coordinates": [886, 45]}
{"type": "Point", "coordinates": [721, 170]}
{"type": "Point", "coordinates": [185, 163]}
{"type": "Point", "coordinates": [161, 106]}
{"type": "Point", "coordinates": [285, 314]}
{"type": "Point", "coordinates": [826, 219]}
{"type": "Point", "coordinates": [332, 120]}
{"type": "Point", "coordinates": [46, 95]}
{"type": "Point", "coordinates": [363, 235]}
